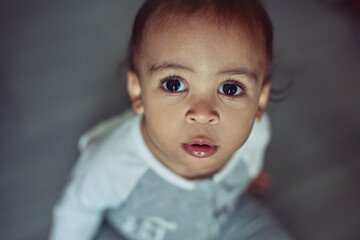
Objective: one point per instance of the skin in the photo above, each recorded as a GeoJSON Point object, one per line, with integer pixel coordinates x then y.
{"type": "Point", "coordinates": [203, 56]}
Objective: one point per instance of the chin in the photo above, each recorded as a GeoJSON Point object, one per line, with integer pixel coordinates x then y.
{"type": "Point", "coordinates": [202, 165]}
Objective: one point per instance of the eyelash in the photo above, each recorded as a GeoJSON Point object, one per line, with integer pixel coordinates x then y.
{"type": "Point", "coordinates": [237, 83]}
{"type": "Point", "coordinates": [170, 77]}
{"type": "Point", "coordinates": [230, 81]}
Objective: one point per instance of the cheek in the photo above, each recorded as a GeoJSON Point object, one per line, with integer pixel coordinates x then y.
{"type": "Point", "coordinates": [238, 127]}
{"type": "Point", "coordinates": [157, 100]}
{"type": "Point", "coordinates": [161, 123]}
{"type": "Point", "coordinates": [244, 105]}
{"type": "Point", "coordinates": [239, 113]}
{"type": "Point", "coordinates": [163, 119]}
{"type": "Point", "coordinates": [162, 135]}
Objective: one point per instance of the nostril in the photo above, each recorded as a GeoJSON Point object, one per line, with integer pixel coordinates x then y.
{"type": "Point", "coordinates": [214, 120]}
{"type": "Point", "coordinates": [203, 117]}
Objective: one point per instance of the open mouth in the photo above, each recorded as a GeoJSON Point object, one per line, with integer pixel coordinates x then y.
{"type": "Point", "coordinates": [200, 148]}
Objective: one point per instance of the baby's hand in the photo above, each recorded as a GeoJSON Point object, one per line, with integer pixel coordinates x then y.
{"type": "Point", "coordinates": [261, 185]}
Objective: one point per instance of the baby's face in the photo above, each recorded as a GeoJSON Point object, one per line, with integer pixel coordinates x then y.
{"type": "Point", "coordinates": [200, 87]}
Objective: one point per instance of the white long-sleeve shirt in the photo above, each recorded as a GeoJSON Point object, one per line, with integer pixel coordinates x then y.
{"type": "Point", "coordinates": [117, 177]}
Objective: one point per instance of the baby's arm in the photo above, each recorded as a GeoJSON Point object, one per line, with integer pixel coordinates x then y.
{"type": "Point", "coordinates": [261, 185]}
{"type": "Point", "coordinates": [91, 189]}
{"type": "Point", "coordinates": [72, 219]}
{"type": "Point", "coordinates": [79, 213]}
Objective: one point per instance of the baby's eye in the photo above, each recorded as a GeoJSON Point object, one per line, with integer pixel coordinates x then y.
{"type": "Point", "coordinates": [231, 89]}
{"type": "Point", "coordinates": [173, 84]}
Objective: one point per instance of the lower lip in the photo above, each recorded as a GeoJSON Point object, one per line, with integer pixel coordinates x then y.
{"type": "Point", "coordinates": [200, 151]}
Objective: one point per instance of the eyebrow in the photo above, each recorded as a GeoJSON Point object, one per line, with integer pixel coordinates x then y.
{"type": "Point", "coordinates": [240, 71]}
{"type": "Point", "coordinates": [167, 66]}
{"type": "Point", "coordinates": [229, 71]}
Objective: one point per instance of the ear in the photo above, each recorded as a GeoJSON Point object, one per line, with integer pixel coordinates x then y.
{"type": "Point", "coordinates": [134, 91]}
{"type": "Point", "coordinates": [264, 97]}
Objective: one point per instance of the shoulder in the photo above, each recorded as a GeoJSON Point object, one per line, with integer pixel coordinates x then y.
{"type": "Point", "coordinates": [105, 129]}
{"type": "Point", "coordinates": [110, 165]}
{"type": "Point", "coordinates": [253, 151]}
{"type": "Point", "coordinates": [260, 134]}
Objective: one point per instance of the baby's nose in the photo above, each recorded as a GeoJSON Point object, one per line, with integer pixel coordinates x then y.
{"type": "Point", "coordinates": [203, 113]}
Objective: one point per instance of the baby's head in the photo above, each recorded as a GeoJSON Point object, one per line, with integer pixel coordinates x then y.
{"type": "Point", "coordinates": [199, 73]}
{"type": "Point", "coordinates": [248, 16]}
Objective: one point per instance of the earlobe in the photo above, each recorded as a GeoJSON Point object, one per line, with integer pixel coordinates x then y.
{"type": "Point", "coordinates": [134, 91]}
{"type": "Point", "coordinates": [264, 97]}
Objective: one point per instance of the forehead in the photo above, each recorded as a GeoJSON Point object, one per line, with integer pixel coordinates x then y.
{"type": "Point", "coordinates": [200, 40]}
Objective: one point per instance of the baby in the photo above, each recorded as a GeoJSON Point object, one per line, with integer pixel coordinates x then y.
{"type": "Point", "coordinates": [198, 81]}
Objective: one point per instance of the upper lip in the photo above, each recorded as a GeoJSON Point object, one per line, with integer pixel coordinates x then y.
{"type": "Point", "coordinates": [201, 140]}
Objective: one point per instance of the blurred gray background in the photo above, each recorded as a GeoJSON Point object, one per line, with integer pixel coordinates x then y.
{"type": "Point", "coordinates": [58, 73]}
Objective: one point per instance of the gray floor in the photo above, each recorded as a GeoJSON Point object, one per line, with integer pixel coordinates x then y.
{"type": "Point", "coordinates": [58, 77]}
